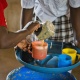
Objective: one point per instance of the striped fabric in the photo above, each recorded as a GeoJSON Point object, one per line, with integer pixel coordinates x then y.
{"type": "Point", "coordinates": [63, 30]}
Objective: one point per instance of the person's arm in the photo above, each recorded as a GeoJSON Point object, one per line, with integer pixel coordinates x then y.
{"type": "Point", "coordinates": [75, 19]}
{"type": "Point", "coordinates": [26, 16]}
{"type": "Point", "coordinates": [27, 11]}
{"type": "Point", "coordinates": [10, 39]}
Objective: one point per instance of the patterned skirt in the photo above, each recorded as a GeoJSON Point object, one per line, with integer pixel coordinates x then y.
{"type": "Point", "coordinates": [63, 30]}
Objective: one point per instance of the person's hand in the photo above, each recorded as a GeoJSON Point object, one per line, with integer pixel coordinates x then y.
{"type": "Point", "coordinates": [25, 44]}
{"type": "Point", "coordinates": [22, 45]}
{"type": "Point", "coordinates": [31, 26]}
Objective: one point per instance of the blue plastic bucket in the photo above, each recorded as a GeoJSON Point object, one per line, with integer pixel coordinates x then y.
{"type": "Point", "coordinates": [24, 73]}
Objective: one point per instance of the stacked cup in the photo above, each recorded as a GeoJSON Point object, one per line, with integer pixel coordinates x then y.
{"type": "Point", "coordinates": [71, 52]}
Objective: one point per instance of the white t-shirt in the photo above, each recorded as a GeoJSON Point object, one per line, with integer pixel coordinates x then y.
{"type": "Point", "coordinates": [49, 10]}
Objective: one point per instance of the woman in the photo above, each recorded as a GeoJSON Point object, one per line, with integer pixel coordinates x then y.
{"type": "Point", "coordinates": [10, 39]}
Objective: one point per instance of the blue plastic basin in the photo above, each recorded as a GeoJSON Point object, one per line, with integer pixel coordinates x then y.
{"type": "Point", "coordinates": [54, 51]}
{"type": "Point", "coordinates": [24, 73]}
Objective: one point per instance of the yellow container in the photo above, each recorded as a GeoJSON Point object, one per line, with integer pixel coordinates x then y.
{"type": "Point", "coordinates": [71, 52]}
